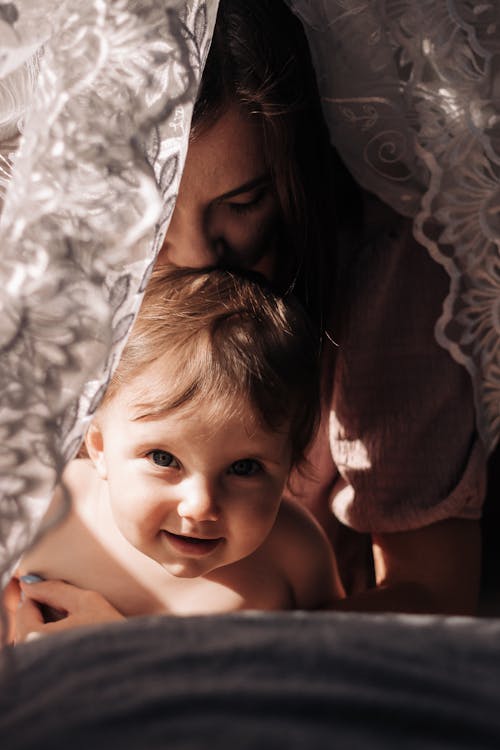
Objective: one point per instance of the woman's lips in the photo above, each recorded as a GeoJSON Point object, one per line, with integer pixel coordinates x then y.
{"type": "Point", "coordinates": [192, 546]}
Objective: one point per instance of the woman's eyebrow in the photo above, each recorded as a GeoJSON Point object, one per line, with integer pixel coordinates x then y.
{"type": "Point", "coordinates": [246, 187]}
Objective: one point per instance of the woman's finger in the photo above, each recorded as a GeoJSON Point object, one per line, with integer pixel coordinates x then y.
{"type": "Point", "coordinates": [10, 599]}
{"type": "Point", "coordinates": [82, 607]}
{"type": "Point", "coordinates": [57, 594]}
{"type": "Point", "coordinates": [28, 613]}
{"type": "Point", "coordinates": [28, 620]}
{"type": "Point", "coordinates": [67, 623]}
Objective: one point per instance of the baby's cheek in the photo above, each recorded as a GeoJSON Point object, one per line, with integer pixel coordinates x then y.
{"type": "Point", "coordinates": [148, 520]}
{"type": "Point", "coordinates": [261, 517]}
{"type": "Point", "coordinates": [135, 520]}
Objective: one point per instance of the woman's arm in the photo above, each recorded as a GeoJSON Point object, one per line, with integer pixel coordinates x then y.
{"type": "Point", "coordinates": [435, 569]}
{"type": "Point", "coordinates": [403, 432]}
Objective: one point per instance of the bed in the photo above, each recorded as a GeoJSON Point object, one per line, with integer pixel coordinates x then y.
{"type": "Point", "coordinates": [253, 680]}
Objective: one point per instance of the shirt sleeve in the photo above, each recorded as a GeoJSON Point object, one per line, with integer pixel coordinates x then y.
{"type": "Point", "coordinates": [401, 422]}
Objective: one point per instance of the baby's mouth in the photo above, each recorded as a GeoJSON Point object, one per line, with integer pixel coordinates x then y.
{"type": "Point", "coordinates": [192, 545]}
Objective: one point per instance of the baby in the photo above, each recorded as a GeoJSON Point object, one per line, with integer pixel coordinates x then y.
{"type": "Point", "coordinates": [179, 506]}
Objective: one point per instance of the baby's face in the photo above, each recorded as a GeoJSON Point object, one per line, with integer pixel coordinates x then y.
{"type": "Point", "coordinates": [192, 492]}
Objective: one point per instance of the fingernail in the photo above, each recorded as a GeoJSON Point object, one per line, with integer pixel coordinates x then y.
{"type": "Point", "coordinates": [31, 578]}
{"type": "Point", "coordinates": [22, 598]}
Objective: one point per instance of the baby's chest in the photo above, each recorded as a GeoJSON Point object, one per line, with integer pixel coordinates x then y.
{"type": "Point", "coordinates": [245, 588]}
{"type": "Point", "coordinates": [137, 585]}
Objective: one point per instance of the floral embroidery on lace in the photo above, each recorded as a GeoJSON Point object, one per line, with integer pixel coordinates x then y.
{"type": "Point", "coordinates": [104, 108]}
{"type": "Point", "coordinates": [411, 93]}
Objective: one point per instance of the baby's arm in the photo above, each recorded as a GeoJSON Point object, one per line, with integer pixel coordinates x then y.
{"type": "Point", "coordinates": [307, 558]}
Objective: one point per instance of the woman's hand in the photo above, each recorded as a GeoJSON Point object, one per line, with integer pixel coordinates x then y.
{"type": "Point", "coordinates": [76, 606]}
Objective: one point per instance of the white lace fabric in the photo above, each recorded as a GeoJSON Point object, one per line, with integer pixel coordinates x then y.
{"type": "Point", "coordinates": [411, 93]}
{"type": "Point", "coordinates": [102, 92]}
{"type": "Point", "coordinates": [104, 110]}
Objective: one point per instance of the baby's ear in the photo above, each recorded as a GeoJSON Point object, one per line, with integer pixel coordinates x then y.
{"type": "Point", "coordinates": [95, 447]}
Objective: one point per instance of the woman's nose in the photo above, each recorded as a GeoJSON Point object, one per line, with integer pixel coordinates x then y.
{"type": "Point", "coordinates": [187, 243]}
{"type": "Point", "coordinates": [198, 501]}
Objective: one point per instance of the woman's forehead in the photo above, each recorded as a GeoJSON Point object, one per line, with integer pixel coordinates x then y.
{"type": "Point", "coordinates": [227, 155]}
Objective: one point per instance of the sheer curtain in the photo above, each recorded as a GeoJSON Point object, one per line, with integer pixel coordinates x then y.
{"type": "Point", "coordinates": [411, 93]}
{"type": "Point", "coordinates": [95, 106]}
{"type": "Point", "coordinates": [102, 93]}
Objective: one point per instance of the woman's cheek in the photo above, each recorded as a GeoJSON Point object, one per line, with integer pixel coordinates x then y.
{"type": "Point", "coordinates": [260, 233]}
{"type": "Point", "coordinates": [252, 236]}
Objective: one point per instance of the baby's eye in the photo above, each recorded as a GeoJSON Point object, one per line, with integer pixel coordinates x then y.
{"type": "Point", "coordinates": [163, 459]}
{"type": "Point", "coordinates": [245, 467]}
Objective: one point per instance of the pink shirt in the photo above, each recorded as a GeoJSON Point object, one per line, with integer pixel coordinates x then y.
{"type": "Point", "coordinates": [397, 447]}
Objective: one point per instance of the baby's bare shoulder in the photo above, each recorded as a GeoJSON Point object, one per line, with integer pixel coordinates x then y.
{"type": "Point", "coordinates": [62, 518]}
{"type": "Point", "coordinates": [77, 483]}
{"type": "Point", "coordinates": [301, 547]}
{"type": "Point", "coordinates": [294, 521]}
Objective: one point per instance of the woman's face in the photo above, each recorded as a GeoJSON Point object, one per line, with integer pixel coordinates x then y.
{"type": "Point", "coordinates": [226, 211]}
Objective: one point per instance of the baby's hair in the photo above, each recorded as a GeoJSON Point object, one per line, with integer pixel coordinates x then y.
{"type": "Point", "coordinates": [232, 342]}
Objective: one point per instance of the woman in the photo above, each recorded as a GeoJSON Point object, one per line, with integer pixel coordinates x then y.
{"type": "Point", "coordinates": [397, 457]}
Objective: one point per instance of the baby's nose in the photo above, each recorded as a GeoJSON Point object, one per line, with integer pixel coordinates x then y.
{"type": "Point", "coordinates": [199, 501]}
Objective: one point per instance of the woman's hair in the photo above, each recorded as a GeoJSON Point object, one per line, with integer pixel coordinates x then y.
{"type": "Point", "coordinates": [259, 58]}
{"type": "Point", "coordinates": [231, 343]}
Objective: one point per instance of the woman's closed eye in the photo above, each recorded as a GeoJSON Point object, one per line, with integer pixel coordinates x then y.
{"type": "Point", "coordinates": [164, 459]}
{"type": "Point", "coordinates": [245, 467]}
{"type": "Point", "coordinates": [251, 204]}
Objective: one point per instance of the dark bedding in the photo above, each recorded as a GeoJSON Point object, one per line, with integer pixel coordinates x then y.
{"type": "Point", "coordinates": [287, 680]}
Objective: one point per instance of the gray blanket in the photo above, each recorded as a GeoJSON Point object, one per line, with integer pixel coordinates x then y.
{"type": "Point", "coordinates": [287, 680]}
